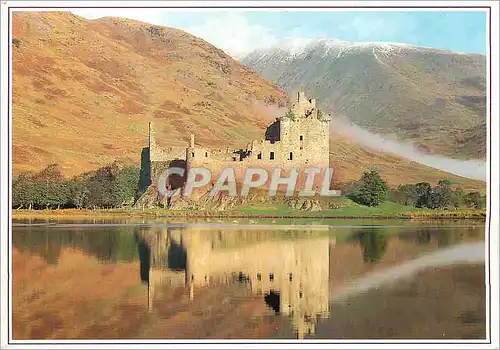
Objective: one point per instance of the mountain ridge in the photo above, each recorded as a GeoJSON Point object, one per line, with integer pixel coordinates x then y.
{"type": "Point", "coordinates": [84, 91]}
{"type": "Point", "coordinates": [296, 46]}
{"type": "Point", "coordinates": [433, 98]}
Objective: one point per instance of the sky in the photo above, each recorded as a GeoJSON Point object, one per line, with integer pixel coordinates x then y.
{"type": "Point", "coordinates": [240, 32]}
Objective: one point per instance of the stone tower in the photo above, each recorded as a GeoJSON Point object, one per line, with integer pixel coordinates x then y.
{"type": "Point", "coordinates": [151, 136]}
{"type": "Point", "coordinates": [305, 132]}
{"type": "Point", "coordinates": [297, 140]}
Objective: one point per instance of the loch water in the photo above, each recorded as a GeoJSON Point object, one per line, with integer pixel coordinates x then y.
{"type": "Point", "coordinates": [248, 280]}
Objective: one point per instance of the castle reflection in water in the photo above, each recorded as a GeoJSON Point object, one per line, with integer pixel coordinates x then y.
{"type": "Point", "coordinates": [291, 274]}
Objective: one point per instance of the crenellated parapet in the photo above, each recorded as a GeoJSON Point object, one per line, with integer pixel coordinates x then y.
{"type": "Point", "coordinates": [298, 139]}
{"type": "Point", "coordinates": [295, 273]}
{"type": "Point", "coordinates": [304, 108]}
{"type": "Point", "coordinates": [161, 154]}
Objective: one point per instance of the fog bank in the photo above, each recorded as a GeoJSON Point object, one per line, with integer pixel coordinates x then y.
{"type": "Point", "coordinates": [472, 169]}
{"type": "Point", "coordinates": [469, 253]}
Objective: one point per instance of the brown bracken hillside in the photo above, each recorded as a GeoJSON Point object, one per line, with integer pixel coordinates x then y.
{"type": "Point", "coordinates": [84, 91]}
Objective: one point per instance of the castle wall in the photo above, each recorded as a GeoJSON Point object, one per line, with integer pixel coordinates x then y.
{"type": "Point", "coordinates": [159, 154]}
{"type": "Point", "coordinates": [290, 152]}
{"type": "Point", "coordinates": [298, 270]}
{"type": "Point", "coordinates": [161, 158]}
{"type": "Point", "coordinates": [303, 143]}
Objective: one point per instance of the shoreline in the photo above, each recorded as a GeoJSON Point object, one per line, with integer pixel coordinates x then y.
{"type": "Point", "coordinates": [177, 214]}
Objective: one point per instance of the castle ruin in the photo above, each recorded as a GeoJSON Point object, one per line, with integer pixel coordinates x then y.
{"type": "Point", "coordinates": [291, 275]}
{"type": "Point", "coordinates": [299, 139]}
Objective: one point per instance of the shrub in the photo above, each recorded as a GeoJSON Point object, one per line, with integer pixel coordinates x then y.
{"type": "Point", "coordinates": [474, 200]}
{"type": "Point", "coordinates": [371, 190]}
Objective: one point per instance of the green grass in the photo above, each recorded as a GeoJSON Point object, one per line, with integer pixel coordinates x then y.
{"type": "Point", "coordinates": [348, 208]}
{"type": "Point", "coordinates": [345, 208]}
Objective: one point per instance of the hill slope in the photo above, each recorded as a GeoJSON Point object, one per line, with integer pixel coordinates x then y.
{"type": "Point", "coordinates": [434, 98]}
{"type": "Point", "coordinates": [350, 161]}
{"type": "Point", "coordinates": [83, 92]}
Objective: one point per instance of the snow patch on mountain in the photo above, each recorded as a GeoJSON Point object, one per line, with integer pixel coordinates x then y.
{"type": "Point", "coordinates": [299, 47]}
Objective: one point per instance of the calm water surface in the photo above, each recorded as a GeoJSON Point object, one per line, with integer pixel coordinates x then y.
{"type": "Point", "coordinates": [152, 280]}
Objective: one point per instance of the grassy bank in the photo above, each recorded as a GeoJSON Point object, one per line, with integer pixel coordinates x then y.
{"type": "Point", "coordinates": [387, 210]}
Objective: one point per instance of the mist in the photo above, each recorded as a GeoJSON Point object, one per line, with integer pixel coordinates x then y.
{"type": "Point", "coordinates": [464, 253]}
{"type": "Point", "coordinates": [271, 111]}
{"type": "Point", "coordinates": [472, 169]}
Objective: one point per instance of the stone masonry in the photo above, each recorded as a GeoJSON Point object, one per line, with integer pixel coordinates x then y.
{"type": "Point", "coordinates": [291, 275]}
{"type": "Point", "coordinates": [299, 139]}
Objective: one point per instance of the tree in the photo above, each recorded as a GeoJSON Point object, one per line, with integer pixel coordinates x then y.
{"type": "Point", "coordinates": [125, 185]}
{"type": "Point", "coordinates": [371, 189]}
{"type": "Point", "coordinates": [458, 197]}
{"type": "Point", "coordinates": [374, 245]}
{"type": "Point", "coordinates": [444, 183]}
{"type": "Point", "coordinates": [423, 192]}
{"type": "Point", "coordinates": [46, 189]}
{"type": "Point", "coordinates": [424, 236]}
{"type": "Point", "coordinates": [79, 192]}
{"type": "Point", "coordinates": [110, 186]}
{"type": "Point", "coordinates": [24, 191]}
{"type": "Point", "coordinates": [53, 188]}
{"type": "Point", "coordinates": [442, 196]}
{"type": "Point", "coordinates": [99, 186]}
{"type": "Point", "coordinates": [407, 194]}
{"type": "Point", "coordinates": [433, 200]}
{"type": "Point", "coordinates": [396, 196]}
{"type": "Point", "coordinates": [474, 200]}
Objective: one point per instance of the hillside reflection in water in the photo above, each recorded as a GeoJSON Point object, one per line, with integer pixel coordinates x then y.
{"type": "Point", "coordinates": [195, 281]}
